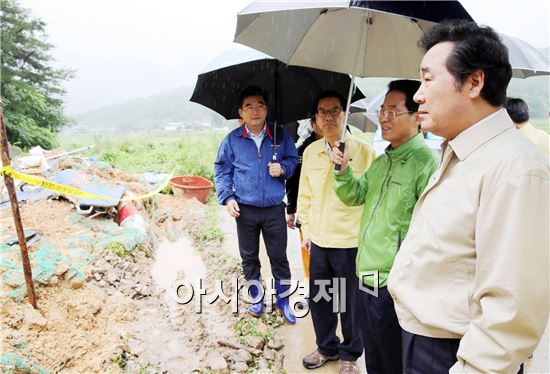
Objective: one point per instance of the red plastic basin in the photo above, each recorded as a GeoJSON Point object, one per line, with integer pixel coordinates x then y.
{"type": "Point", "coordinates": [191, 186]}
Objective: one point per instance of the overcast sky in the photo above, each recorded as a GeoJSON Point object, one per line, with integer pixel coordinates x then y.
{"type": "Point", "coordinates": [123, 49]}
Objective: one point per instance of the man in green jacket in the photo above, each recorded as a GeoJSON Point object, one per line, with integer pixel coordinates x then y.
{"type": "Point", "coordinates": [389, 190]}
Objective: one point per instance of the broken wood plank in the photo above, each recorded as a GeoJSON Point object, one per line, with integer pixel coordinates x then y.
{"type": "Point", "coordinates": [252, 351]}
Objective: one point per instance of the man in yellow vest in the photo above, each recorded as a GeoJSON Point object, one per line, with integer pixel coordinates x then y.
{"type": "Point", "coordinates": [330, 231]}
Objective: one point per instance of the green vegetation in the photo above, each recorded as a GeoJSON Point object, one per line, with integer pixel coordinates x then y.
{"type": "Point", "coordinates": [117, 248]}
{"type": "Point", "coordinates": [536, 93]}
{"type": "Point", "coordinates": [31, 87]}
{"type": "Point", "coordinates": [120, 359]}
{"type": "Point", "coordinates": [541, 123]}
{"type": "Point", "coordinates": [188, 153]}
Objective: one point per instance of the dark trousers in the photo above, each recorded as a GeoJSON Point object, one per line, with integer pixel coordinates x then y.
{"type": "Point", "coordinates": [381, 332]}
{"type": "Point", "coordinates": [326, 264]}
{"type": "Point", "coordinates": [422, 354]}
{"type": "Point", "coordinates": [271, 222]}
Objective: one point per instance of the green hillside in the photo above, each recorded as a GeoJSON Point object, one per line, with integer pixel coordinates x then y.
{"type": "Point", "coordinates": [152, 113]}
{"type": "Point", "coordinates": [173, 108]}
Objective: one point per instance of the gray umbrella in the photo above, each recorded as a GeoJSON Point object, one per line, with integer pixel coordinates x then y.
{"type": "Point", "coordinates": [525, 59]}
{"type": "Point", "coordinates": [361, 38]}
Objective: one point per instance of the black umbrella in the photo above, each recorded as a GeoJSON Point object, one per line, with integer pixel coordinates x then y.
{"type": "Point", "coordinates": [292, 89]}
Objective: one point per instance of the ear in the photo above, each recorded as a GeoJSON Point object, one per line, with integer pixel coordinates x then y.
{"type": "Point", "coordinates": [240, 113]}
{"type": "Point", "coordinates": [476, 81]}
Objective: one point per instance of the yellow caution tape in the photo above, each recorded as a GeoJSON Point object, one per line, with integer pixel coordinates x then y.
{"type": "Point", "coordinates": [68, 190]}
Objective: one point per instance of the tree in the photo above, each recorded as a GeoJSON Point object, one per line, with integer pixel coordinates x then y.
{"type": "Point", "coordinates": [30, 86]}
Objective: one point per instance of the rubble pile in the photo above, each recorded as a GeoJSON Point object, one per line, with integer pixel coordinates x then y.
{"type": "Point", "coordinates": [99, 308]}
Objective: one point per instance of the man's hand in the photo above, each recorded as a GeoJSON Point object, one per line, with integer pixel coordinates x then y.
{"type": "Point", "coordinates": [290, 221]}
{"type": "Point", "coordinates": [338, 158]}
{"type": "Point", "coordinates": [233, 208]}
{"type": "Point", "coordinates": [306, 244]}
{"type": "Point", "coordinates": [275, 169]}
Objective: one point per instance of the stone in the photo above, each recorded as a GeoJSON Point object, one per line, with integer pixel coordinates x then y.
{"type": "Point", "coordinates": [97, 276]}
{"type": "Point", "coordinates": [215, 361]}
{"type": "Point", "coordinates": [61, 268]}
{"type": "Point", "coordinates": [262, 329]}
{"type": "Point", "coordinates": [269, 354]}
{"type": "Point", "coordinates": [256, 342]}
{"type": "Point", "coordinates": [145, 291]}
{"type": "Point", "coordinates": [242, 356]}
{"type": "Point", "coordinates": [176, 217]}
{"type": "Point", "coordinates": [77, 282]}
{"type": "Point", "coordinates": [276, 343]}
{"type": "Point", "coordinates": [15, 322]}
{"type": "Point", "coordinates": [263, 366]}
{"type": "Point", "coordinates": [135, 347]}
{"type": "Point", "coordinates": [34, 318]}
{"type": "Point", "coordinates": [226, 353]}
{"type": "Point", "coordinates": [112, 277]}
{"type": "Point", "coordinates": [240, 367]}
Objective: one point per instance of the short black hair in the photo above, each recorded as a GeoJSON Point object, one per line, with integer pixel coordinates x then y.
{"type": "Point", "coordinates": [517, 109]}
{"type": "Point", "coordinates": [476, 48]}
{"type": "Point", "coordinates": [252, 91]}
{"type": "Point", "coordinates": [324, 95]}
{"type": "Point", "coordinates": [407, 87]}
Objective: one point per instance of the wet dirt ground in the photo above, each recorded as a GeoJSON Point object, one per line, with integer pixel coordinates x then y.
{"type": "Point", "coordinates": [300, 339]}
{"type": "Point", "coordinates": [85, 329]}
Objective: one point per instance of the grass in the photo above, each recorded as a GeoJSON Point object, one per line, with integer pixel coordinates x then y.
{"type": "Point", "coordinates": [541, 123]}
{"type": "Point", "coordinates": [188, 153]}
{"type": "Point", "coordinates": [211, 230]}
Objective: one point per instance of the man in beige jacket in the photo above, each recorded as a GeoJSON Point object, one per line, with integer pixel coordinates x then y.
{"type": "Point", "coordinates": [470, 282]}
{"type": "Point", "coordinates": [519, 113]}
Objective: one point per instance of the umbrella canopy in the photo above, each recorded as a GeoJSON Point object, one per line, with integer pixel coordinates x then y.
{"type": "Point", "coordinates": [361, 38]}
{"type": "Point", "coordinates": [368, 111]}
{"type": "Point", "coordinates": [292, 89]}
{"type": "Point", "coordinates": [525, 59]}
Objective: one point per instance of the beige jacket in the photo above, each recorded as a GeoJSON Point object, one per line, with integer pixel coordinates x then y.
{"type": "Point", "coordinates": [474, 264]}
{"type": "Point", "coordinates": [537, 136]}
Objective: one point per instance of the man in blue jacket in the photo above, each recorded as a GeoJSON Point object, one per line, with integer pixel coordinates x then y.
{"type": "Point", "coordinates": [250, 174]}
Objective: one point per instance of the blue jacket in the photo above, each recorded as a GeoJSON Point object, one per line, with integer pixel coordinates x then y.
{"type": "Point", "coordinates": [241, 171]}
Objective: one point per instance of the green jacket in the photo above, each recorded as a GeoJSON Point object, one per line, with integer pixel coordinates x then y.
{"type": "Point", "coordinates": [389, 190]}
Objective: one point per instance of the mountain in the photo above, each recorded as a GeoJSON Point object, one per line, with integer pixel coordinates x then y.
{"type": "Point", "coordinates": [168, 109]}
{"type": "Point", "coordinates": [174, 110]}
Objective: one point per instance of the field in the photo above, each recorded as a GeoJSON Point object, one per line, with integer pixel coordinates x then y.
{"type": "Point", "coordinates": [541, 123]}
{"type": "Point", "coordinates": [186, 153]}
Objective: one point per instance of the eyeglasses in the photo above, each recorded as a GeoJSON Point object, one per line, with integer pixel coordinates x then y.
{"type": "Point", "coordinates": [333, 112]}
{"type": "Point", "coordinates": [390, 114]}
{"type": "Point", "coordinates": [256, 108]}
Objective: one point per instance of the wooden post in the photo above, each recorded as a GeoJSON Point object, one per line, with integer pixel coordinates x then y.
{"type": "Point", "coordinates": [15, 210]}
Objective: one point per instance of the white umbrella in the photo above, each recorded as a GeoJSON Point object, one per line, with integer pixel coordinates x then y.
{"type": "Point", "coordinates": [360, 38]}
{"type": "Point", "coordinates": [525, 59]}
{"type": "Point", "coordinates": [369, 115]}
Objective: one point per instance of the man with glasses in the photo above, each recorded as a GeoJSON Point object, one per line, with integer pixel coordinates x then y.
{"type": "Point", "coordinates": [252, 186]}
{"type": "Point", "coordinates": [388, 192]}
{"type": "Point", "coordinates": [330, 235]}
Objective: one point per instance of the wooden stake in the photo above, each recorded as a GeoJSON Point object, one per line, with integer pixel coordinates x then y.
{"type": "Point", "coordinates": [15, 210]}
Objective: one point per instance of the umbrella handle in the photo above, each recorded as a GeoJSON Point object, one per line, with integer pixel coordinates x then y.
{"type": "Point", "coordinates": [341, 147]}
{"type": "Point", "coordinates": [274, 157]}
